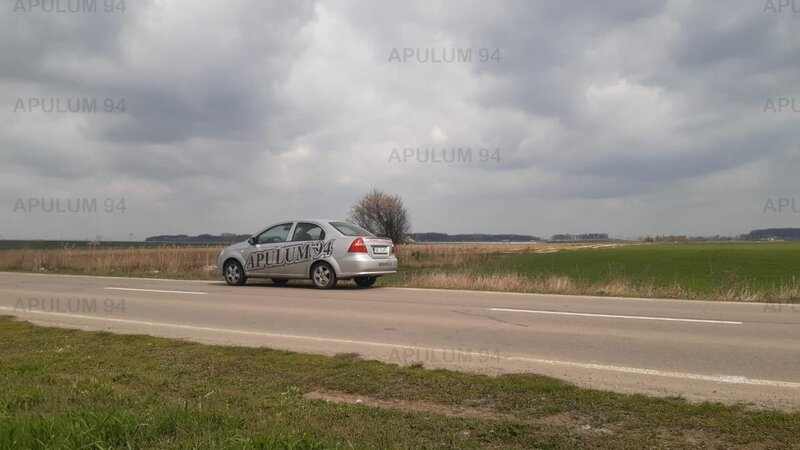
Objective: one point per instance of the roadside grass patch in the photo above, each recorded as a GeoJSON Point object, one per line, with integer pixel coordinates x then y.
{"type": "Point", "coordinates": [738, 271]}
{"type": "Point", "coordinates": [766, 272]}
{"type": "Point", "coordinates": [74, 389]}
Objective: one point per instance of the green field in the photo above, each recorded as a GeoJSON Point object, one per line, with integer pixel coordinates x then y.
{"type": "Point", "coordinates": [75, 389]}
{"type": "Point", "coordinates": [715, 271]}
{"type": "Point", "coordinates": [698, 267]}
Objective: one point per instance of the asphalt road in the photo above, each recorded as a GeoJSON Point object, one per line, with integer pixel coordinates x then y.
{"type": "Point", "coordinates": [729, 352]}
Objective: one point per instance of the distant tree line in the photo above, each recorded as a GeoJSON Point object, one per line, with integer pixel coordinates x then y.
{"type": "Point", "coordinates": [224, 238]}
{"type": "Point", "coordinates": [474, 237]}
{"type": "Point", "coordinates": [671, 238]}
{"type": "Point", "coordinates": [580, 237]}
{"type": "Point", "coordinates": [766, 234]}
{"type": "Point", "coordinates": [786, 234]}
{"type": "Point", "coordinates": [413, 237]}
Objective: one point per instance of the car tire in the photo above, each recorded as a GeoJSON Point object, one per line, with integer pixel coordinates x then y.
{"type": "Point", "coordinates": [323, 276]}
{"type": "Point", "coordinates": [365, 282]}
{"type": "Point", "coordinates": [280, 281]}
{"type": "Point", "coordinates": [234, 273]}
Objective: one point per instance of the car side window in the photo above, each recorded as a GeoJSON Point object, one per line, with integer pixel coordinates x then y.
{"type": "Point", "coordinates": [308, 232]}
{"type": "Point", "coordinates": [278, 233]}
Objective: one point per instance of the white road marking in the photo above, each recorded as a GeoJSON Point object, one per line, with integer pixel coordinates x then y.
{"type": "Point", "coordinates": [615, 316]}
{"type": "Point", "coordinates": [730, 379]}
{"type": "Point", "coordinates": [574, 296]}
{"type": "Point", "coordinates": [213, 282]}
{"type": "Point", "coordinates": [104, 277]}
{"type": "Point", "coordinates": [155, 290]}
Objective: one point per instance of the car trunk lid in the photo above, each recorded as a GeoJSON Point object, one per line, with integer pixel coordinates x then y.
{"type": "Point", "coordinates": [379, 248]}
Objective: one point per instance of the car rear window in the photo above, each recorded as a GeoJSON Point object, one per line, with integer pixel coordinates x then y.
{"type": "Point", "coordinates": [348, 229]}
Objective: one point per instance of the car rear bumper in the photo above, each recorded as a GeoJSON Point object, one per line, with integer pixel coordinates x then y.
{"type": "Point", "coordinates": [361, 264]}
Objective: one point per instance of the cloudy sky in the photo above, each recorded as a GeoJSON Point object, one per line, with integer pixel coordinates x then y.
{"type": "Point", "coordinates": [223, 116]}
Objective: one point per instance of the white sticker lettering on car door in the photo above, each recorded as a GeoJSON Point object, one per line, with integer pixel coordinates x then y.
{"type": "Point", "coordinates": [291, 254]}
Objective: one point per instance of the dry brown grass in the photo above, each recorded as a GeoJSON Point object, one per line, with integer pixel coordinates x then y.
{"type": "Point", "coordinates": [550, 284]}
{"type": "Point", "coordinates": [444, 266]}
{"type": "Point", "coordinates": [460, 255]}
{"type": "Point", "coordinates": [196, 262]}
{"type": "Point", "coordinates": [176, 262]}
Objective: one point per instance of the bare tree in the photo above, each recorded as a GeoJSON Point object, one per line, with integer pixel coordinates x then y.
{"type": "Point", "coordinates": [382, 214]}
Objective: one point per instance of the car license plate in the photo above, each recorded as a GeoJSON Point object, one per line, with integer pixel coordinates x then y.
{"type": "Point", "coordinates": [380, 250]}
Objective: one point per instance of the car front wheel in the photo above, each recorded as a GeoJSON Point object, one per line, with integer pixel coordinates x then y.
{"type": "Point", "coordinates": [323, 276]}
{"type": "Point", "coordinates": [234, 273]}
{"type": "Point", "coordinates": [365, 281]}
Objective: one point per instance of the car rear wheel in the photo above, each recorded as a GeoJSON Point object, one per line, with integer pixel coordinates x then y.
{"type": "Point", "coordinates": [234, 273]}
{"type": "Point", "coordinates": [365, 281]}
{"type": "Point", "coordinates": [280, 281]}
{"type": "Point", "coordinates": [323, 276]}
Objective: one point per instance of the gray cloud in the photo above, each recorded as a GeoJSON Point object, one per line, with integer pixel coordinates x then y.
{"type": "Point", "coordinates": [628, 119]}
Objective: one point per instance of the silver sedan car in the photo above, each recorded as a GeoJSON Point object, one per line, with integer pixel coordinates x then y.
{"type": "Point", "coordinates": [324, 251]}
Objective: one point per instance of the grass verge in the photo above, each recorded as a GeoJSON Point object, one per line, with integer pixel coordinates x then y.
{"type": "Point", "coordinates": [74, 389]}
{"type": "Point", "coordinates": [755, 272]}
{"type": "Point", "coordinates": [767, 272]}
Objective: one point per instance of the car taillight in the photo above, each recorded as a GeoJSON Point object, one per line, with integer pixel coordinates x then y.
{"type": "Point", "coordinates": [358, 246]}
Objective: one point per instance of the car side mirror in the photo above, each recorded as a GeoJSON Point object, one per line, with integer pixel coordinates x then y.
{"type": "Point", "coordinates": [252, 241]}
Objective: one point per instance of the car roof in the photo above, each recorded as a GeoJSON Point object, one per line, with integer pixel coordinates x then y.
{"type": "Point", "coordinates": [313, 220]}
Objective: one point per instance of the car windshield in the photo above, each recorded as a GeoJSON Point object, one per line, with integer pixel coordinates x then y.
{"type": "Point", "coordinates": [348, 229]}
